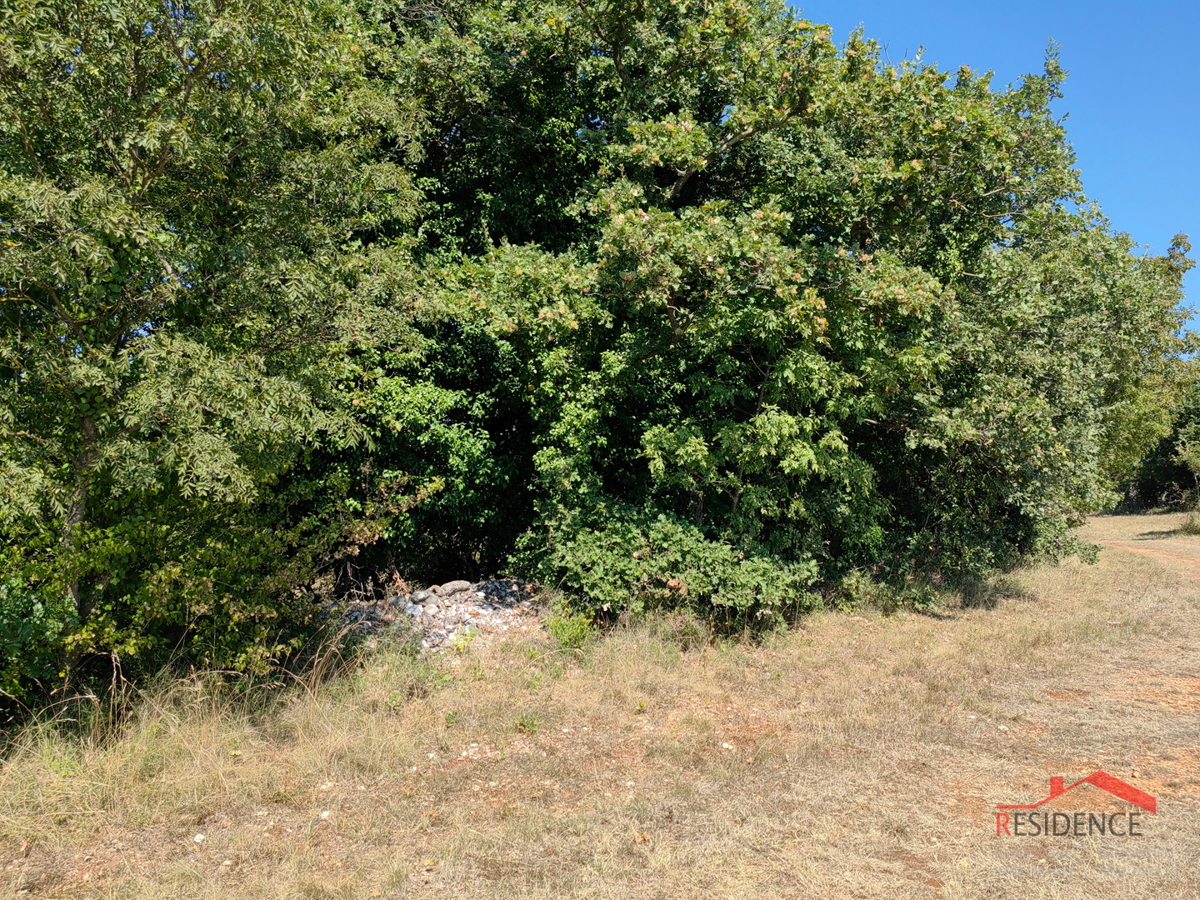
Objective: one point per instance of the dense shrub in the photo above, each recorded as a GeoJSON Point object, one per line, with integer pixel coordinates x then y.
{"type": "Point", "coordinates": [834, 314]}
{"type": "Point", "coordinates": [639, 559]}
{"type": "Point", "coordinates": [682, 300]}
{"type": "Point", "coordinates": [180, 190]}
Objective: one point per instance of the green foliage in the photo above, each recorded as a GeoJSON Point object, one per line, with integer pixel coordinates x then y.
{"type": "Point", "coordinates": [1190, 525]}
{"type": "Point", "coordinates": [177, 187]}
{"type": "Point", "coordinates": [1184, 441]}
{"type": "Point", "coordinates": [449, 417]}
{"type": "Point", "coordinates": [569, 627]}
{"type": "Point", "coordinates": [1187, 449]}
{"type": "Point", "coordinates": [1169, 473]}
{"type": "Point", "coordinates": [804, 305]}
{"type": "Point", "coordinates": [637, 560]}
{"type": "Point", "coordinates": [31, 629]}
{"type": "Point", "coordinates": [858, 590]}
{"type": "Point", "coordinates": [692, 305]}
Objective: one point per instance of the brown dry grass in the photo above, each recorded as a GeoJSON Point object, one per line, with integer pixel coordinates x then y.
{"type": "Point", "coordinates": [859, 757]}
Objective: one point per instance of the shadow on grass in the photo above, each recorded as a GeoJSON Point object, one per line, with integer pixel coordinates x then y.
{"type": "Point", "coordinates": [935, 614]}
{"type": "Point", "coordinates": [987, 593]}
{"type": "Point", "coordinates": [1189, 526]}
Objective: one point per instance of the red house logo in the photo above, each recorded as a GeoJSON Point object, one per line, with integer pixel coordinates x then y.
{"type": "Point", "coordinates": [1080, 824]}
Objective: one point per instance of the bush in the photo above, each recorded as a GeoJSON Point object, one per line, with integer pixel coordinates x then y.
{"type": "Point", "coordinates": [31, 628]}
{"type": "Point", "coordinates": [858, 590]}
{"type": "Point", "coordinates": [569, 627]}
{"type": "Point", "coordinates": [706, 307]}
{"type": "Point", "coordinates": [1169, 474]}
{"type": "Point", "coordinates": [630, 560]}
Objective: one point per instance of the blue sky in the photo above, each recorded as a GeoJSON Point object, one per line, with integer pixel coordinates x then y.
{"type": "Point", "coordinates": [1133, 95]}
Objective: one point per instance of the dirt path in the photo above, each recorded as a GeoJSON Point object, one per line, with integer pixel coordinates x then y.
{"type": "Point", "coordinates": [1180, 558]}
{"type": "Point", "coordinates": [1151, 536]}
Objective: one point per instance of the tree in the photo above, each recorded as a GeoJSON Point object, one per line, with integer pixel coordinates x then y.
{"type": "Point", "coordinates": [178, 184]}
{"type": "Point", "coordinates": [675, 301]}
{"type": "Point", "coordinates": [1170, 473]}
{"type": "Point", "coordinates": [821, 310]}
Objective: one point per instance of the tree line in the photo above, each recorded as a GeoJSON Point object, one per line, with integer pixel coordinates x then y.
{"type": "Point", "coordinates": [677, 302]}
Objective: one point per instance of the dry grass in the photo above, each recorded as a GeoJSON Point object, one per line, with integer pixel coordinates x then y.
{"type": "Point", "coordinates": [859, 757]}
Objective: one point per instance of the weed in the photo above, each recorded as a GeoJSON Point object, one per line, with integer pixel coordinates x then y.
{"type": "Point", "coordinates": [685, 630]}
{"type": "Point", "coordinates": [461, 641]}
{"type": "Point", "coordinates": [858, 590]}
{"type": "Point", "coordinates": [527, 723]}
{"type": "Point", "coordinates": [1190, 525]}
{"type": "Point", "coordinates": [570, 629]}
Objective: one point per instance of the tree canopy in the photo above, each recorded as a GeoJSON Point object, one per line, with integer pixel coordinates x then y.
{"type": "Point", "coordinates": [668, 302]}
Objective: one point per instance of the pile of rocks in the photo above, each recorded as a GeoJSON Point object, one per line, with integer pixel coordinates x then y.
{"type": "Point", "coordinates": [454, 613]}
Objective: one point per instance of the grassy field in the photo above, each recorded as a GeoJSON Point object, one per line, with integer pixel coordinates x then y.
{"type": "Point", "coordinates": [860, 756]}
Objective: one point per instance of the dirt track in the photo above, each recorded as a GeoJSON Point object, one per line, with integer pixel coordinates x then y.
{"type": "Point", "coordinates": [1151, 536]}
